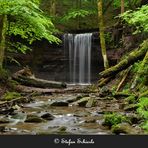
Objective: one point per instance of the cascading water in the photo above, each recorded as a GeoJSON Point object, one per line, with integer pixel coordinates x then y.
{"type": "Point", "coordinates": [79, 52]}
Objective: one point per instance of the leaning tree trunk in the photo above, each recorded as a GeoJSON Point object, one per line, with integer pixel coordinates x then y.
{"type": "Point", "coordinates": [133, 57]}
{"type": "Point", "coordinates": [102, 39]}
{"type": "Point", "coordinates": [3, 29]}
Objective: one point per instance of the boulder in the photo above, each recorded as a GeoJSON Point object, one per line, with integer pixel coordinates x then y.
{"type": "Point", "coordinates": [34, 119]}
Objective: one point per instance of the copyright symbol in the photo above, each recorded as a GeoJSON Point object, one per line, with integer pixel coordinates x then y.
{"type": "Point", "coordinates": [56, 141]}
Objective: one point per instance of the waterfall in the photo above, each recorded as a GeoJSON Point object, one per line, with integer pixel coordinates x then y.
{"type": "Point", "coordinates": [79, 54]}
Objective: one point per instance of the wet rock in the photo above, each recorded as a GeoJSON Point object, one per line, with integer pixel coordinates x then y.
{"type": "Point", "coordinates": [62, 129]}
{"type": "Point", "coordinates": [3, 129]}
{"type": "Point", "coordinates": [90, 121]}
{"type": "Point", "coordinates": [80, 96]}
{"type": "Point", "coordinates": [19, 115]}
{"type": "Point", "coordinates": [4, 120]}
{"type": "Point", "coordinates": [59, 103]}
{"type": "Point", "coordinates": [72, 99]}
{"type": "Point", "coordinates": [91, 103]}
{"type": "Point", "coordinates": [34, 119]}
{"type": "Point", "coordinates": [82, 102]}
{"type": "Point", "coordinates": [133, 118]}
{"type": "Point", "coordinates": [123, 128]}
{"type": "Point", "coordinates": [131, 107]}
{"type": "Point", "coordinates": [47, 116]}
{"type": "Point", "coordinates": [105, 92]}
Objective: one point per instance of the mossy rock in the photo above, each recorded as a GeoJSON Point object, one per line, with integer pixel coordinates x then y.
{"type": "Point", "coordinates": [114, 119]}
{"type": "Point", "coordinates": [10, 96]}
{"type": "Point", "coordinates": [62, 129]}
{"type": "Point", "coordinates": [123, 128]}
{"type": "Point", "coordinates": [134, 118]}
{"type": "Point", "coordinates": [34, 119]}
{"type": "Point", "coordinates": [91, 103]}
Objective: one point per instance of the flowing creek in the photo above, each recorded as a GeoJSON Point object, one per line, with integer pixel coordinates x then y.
{"type": "Point", "coordinates": [59, 119]}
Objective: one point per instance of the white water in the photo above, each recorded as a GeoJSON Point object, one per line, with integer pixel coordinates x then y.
{"type": "Point", "coordinates": [79, 52]}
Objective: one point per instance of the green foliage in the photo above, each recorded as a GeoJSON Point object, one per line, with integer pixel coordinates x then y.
{"type": "Point", "coordinates": [131, 100]}
{"type": "Point", "coordinates": [143, 107]}
{"type": "Point", "coordinates": [3, 75]}
{"type": "Point", "coordinates": [114, 119]}
{"type": "Point", "coordinates": [108, 38]}
{"type": "Point", "coordinates": [75, 13]}
{"type": "Point", "coordinates": [137, 18]}
{"type": "Point", "coordinates": [117, 3]}
{"type": "Point", "coordinates": [28, 21]}
{"type": "Point", "coordinates": [10, 96]}
{"type": "Point", "coordinates": [145, 126]}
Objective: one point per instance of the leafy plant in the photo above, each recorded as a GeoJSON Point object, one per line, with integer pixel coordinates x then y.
{"type": "Point", "coordinates": [143, 107]}
{"type": "Point", "coordinates": [137, 18]}
{"type": "Point", "coordinates": [26, 20]}
{"type": "Point", "coordinates": [114, 119]}
{"type": "Point", "coordinates": [75, 13]}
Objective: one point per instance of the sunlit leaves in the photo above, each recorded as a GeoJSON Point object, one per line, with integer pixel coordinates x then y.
{"type": "Point", "coordinates": [77, 13]}
{"type": "Point", "coordinates": [138, 18]}
{"type": "Point", "coordinates": [28, 21]}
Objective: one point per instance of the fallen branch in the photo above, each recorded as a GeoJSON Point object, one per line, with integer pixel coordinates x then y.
{"type": "Point", "coordinates": [27, 78]}
{"type": "Point", "coordinates": [124, 78]}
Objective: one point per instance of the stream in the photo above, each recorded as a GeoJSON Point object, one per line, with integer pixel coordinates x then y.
{"type": "Point", "coordinates": [58, 114]}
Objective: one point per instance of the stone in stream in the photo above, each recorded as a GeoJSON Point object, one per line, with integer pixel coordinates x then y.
{"type": "Point", "coordinates": [124, 128]}
{"type": "Point", "coordinates": [4, 120]}
{"type": "Point", "coordinates": [59, 103]}
{"type": "Point", "coordinates": [82, 102]}
{"type": "Point", "coordinates": [91, 103]}
{"type": "Point", "coordinates": [90, 121]}
{"type": "Point", "coordinates": [4, 129]}
{"type": "Point", "coordinates": [34, 118]}
{"type": "Point", "coordinates": [72, 99]}
{"type": "Point", "coordinates": [47, 116]}
{"type": "Point", "coordinates": [134, 118]}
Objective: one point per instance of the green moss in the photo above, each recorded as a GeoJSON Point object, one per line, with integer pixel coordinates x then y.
{"type": "Point", "coordinates": [10, 96]}
{"type": "Point", "coordinates": [114, 119]}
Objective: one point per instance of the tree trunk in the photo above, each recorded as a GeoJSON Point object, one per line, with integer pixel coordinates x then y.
{"type": "Point", "coordinates": [122, 6]}
{"type": "Point", "coordinates": [3, 29]}
{"type": "Point", "coordinates": [40, 83]}
{"type": "Point", "coordinates": [102, 39]}
{"type": "Point", "coordinates": [53, 7]}
{"type": "Point", "coordinates": [126, 62]}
